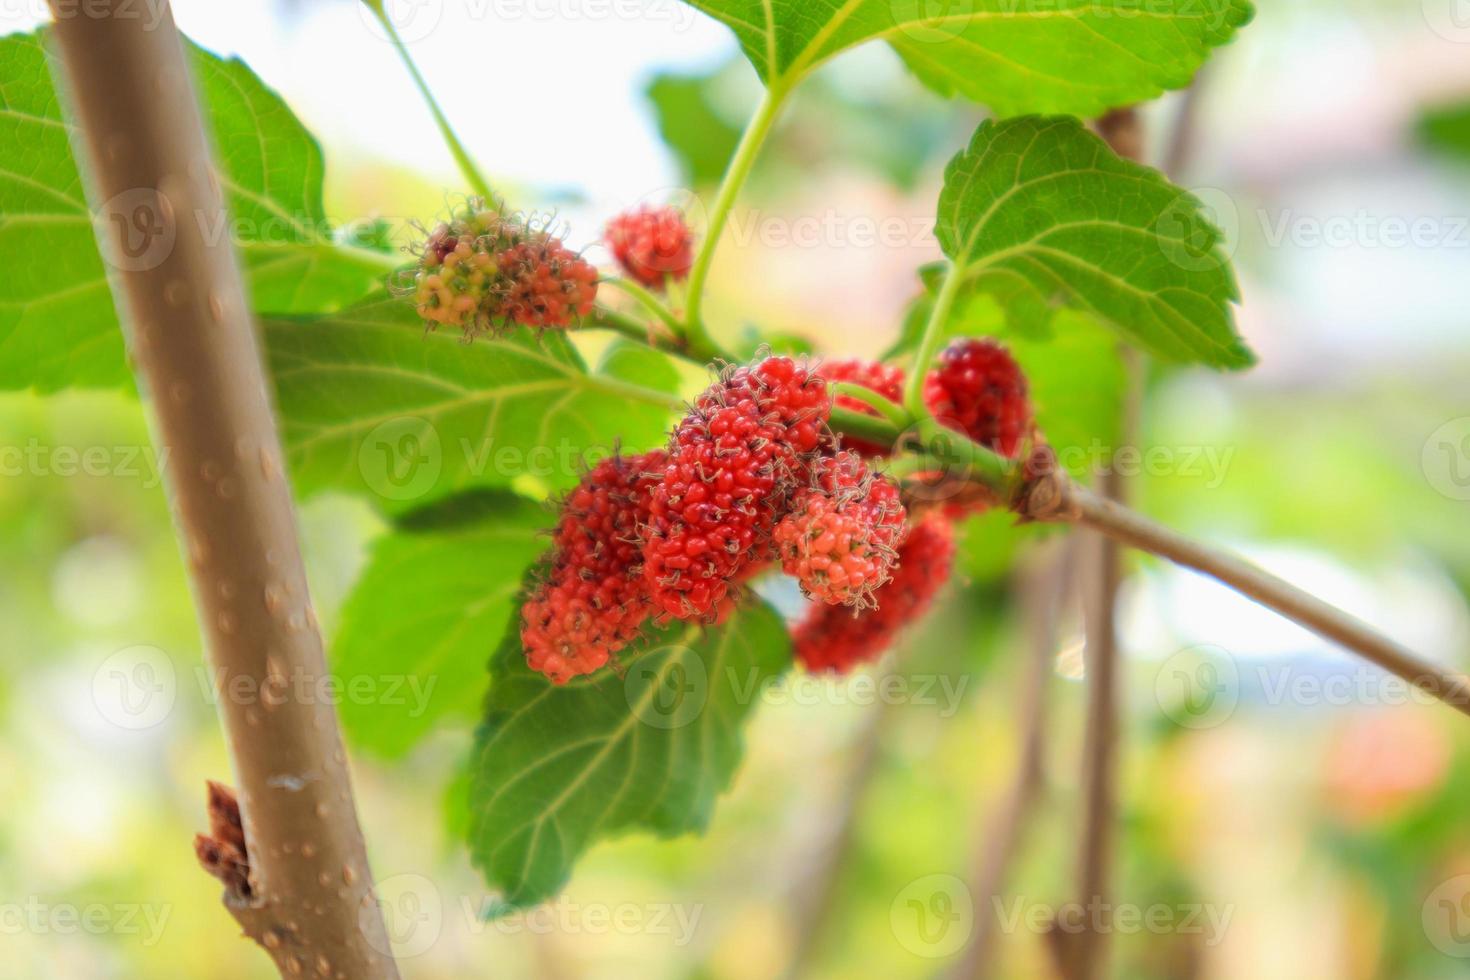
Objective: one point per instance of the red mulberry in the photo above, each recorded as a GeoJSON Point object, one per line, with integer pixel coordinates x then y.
{"type": "Point", "coordinates": [733, 462]}
{"type": "Point", "coordinates": [885, 379]}
{"type": "Point", "coordinates": [543, 283]}
{"type": "Point", "coordinates": [978, 388]}
{"type": "Point", "coordinates": [839, 540]}
{"type": "Point", "coordinates": [594, 599]}
{"type": "Point", "coordinates": [836, 639]}
{"type": "Point", "coordinates": [651, 243]}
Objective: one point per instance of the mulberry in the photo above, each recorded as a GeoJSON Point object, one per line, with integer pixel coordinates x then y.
{"type": "Point", "coordinates": [484, 268]}
{"type": "Point", "coordinates": [734, 460]}
{"type": "Point", "coordinates": [594, 599]}
{"type": "Point", "coordinates": [834, 638]}
{"type": "Point", "coordinates": [978, 388]}
{"type": "Point", "coordinates": [651, 243]}
{"type": "Point", "coordinates": [839, 540]}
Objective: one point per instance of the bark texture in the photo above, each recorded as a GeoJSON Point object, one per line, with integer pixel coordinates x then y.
{"type": "Point", "coordinates": [307, 895]}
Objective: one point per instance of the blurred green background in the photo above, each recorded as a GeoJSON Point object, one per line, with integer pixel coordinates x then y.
{"type": "Point", "coordinates": [1286, 812]}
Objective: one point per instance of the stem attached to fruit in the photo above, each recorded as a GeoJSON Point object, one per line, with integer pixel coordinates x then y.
{"type": "Point", "coordinates": [889, 410]}
{"type": "Point", "coordinates": [1055, 498]}
{"type": "Point", "coordinates": [913, 395]}
{"type": "Point", "coordinates": [461, 156]}
{"type": "Point", "coordinates": [648, 301]}
{"type": "Point", "coordinates": [736, 173]}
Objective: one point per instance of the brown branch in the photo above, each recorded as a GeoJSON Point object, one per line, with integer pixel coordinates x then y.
{"type": "Point", "coordinates": [1083, 944]}
{"type": "Point", "coordinates": [1045, 590]}
{"type": "Point", "coordinates": [306, 895]}
{"type": "Point", "coordinates": [818, 896]}
{"type": "Point", "coordinates": [1184, 137]}
{"type": "Point", "coordinates": [1275, 593]}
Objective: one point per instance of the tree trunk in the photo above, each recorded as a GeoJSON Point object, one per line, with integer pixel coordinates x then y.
{"type": "Point", "coordinates": [292, 855]}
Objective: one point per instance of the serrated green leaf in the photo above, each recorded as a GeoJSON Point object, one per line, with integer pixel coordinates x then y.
{"type": "Point", "coordinates": [1039, 212]}
{"type": "Point", "coordinates": [558, 768]}
{"type": "Point", "coordinates": [58, 326]}
{"type": "Point", "coordinates": [433, 604]}
{"type": "Point", "coordinates": [1066, 56]}
{"type": "Point", "coordinates": [372, 404]}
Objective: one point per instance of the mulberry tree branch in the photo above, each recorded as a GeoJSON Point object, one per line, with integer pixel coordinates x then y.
{"type": "Point", "coordinates": [1090, 510]}
{"type": "Point", "coordinates": [288, 845]}
{"type": "Point", "coordinates": [1041, 491]}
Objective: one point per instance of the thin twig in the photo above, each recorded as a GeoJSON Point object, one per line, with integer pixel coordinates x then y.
{"type": "Point", "coordinates": [819, 894]}
{"type": "Point", "coordinates": [288, 846]}
{"type": "Point", "coordinates": [1275, 593]}
{"type": "Point", "coordinates": [1084, 951]}
{"type": "Point", "coordinates": [1045, 590]}
{"type": "Point", "coordinates": [1184, 138]}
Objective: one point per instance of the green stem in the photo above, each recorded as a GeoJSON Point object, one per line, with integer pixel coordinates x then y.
{"type": "Point", "coordinates": [913, 396]}
{"type": "Point", "coordinates": [649, 301]}
{"type": "Point", "coordinates": [974, 461]}
{"type": "Point", "coordinates": [619, 323]}
{"type": "Point", "coordinates": [755, 134]}
{"type": "Point", "coordinates": [955, 451]}
{"type": "Point", "coordinates": [865, 426]}
{"type": "Point", "coordinates": [890, 411]}
{"type": "Point", "coordinates": [640, 332]}
{"type": "Point", "coordinates": [461, 156]}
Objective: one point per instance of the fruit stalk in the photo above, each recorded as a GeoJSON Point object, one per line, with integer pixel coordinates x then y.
{"type": "Point", "coordinates": [289, 846]}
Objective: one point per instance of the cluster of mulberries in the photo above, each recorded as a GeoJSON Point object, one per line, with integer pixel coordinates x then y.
{"type": "Point", "coordinates": [486, 268]}
{"type": "Point", "coordinates": [593, 600]}
{"type": "Point", "coordinates": [840, 538]}
{"type": "Point", "coordinates": [734, 460]}
{"type": "Point", "coordinates": [752, 477]}
{"type": "Point", "coordinates": [651, 244]}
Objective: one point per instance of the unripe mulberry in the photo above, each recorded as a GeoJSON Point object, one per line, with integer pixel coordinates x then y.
{"type": "Point", "coordinates": [978, 388]}
{"type": "Point", "coordinates": [543, 283]}
{"type": "Point", "coordinates": [839, 539]}
{"type": "Point", "coordinates": [456, 278]}
{"type": "Point", "coordinates": [651, 243]}
{"type": "Point", "coordinates": [594, 599]}
{"type": "Point", "coordinates": [746, 444]}
{"type": "Point", "coordinates": [834, 638]}
{"type": "Point", "coordinates": [484, 269]}
{"type": "Point", "coordinates": [885, 379]}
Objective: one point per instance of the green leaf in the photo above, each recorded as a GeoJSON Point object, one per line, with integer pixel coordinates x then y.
{"type": "Point", "coordinates": [893, 131]}
{"type": "Point", "coordinates": [372, 404]}
{"type": "Point", "coordinates": [1066, 56]}
{"type": "Point", "coordinates": [1040, 213]}
{"type": "Point", "coordinates": [1077, 382]}
{"type": "Point", "coordinates": [431, 607]}
{"type": "Point", "coordinates": [558, 768]}
{"type": "Point", "coordinates": [699, 135]}
{"type": "Point", "coordinates": [58, 326]}
{"type": "Point", "coordinates": [1446, 129]}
